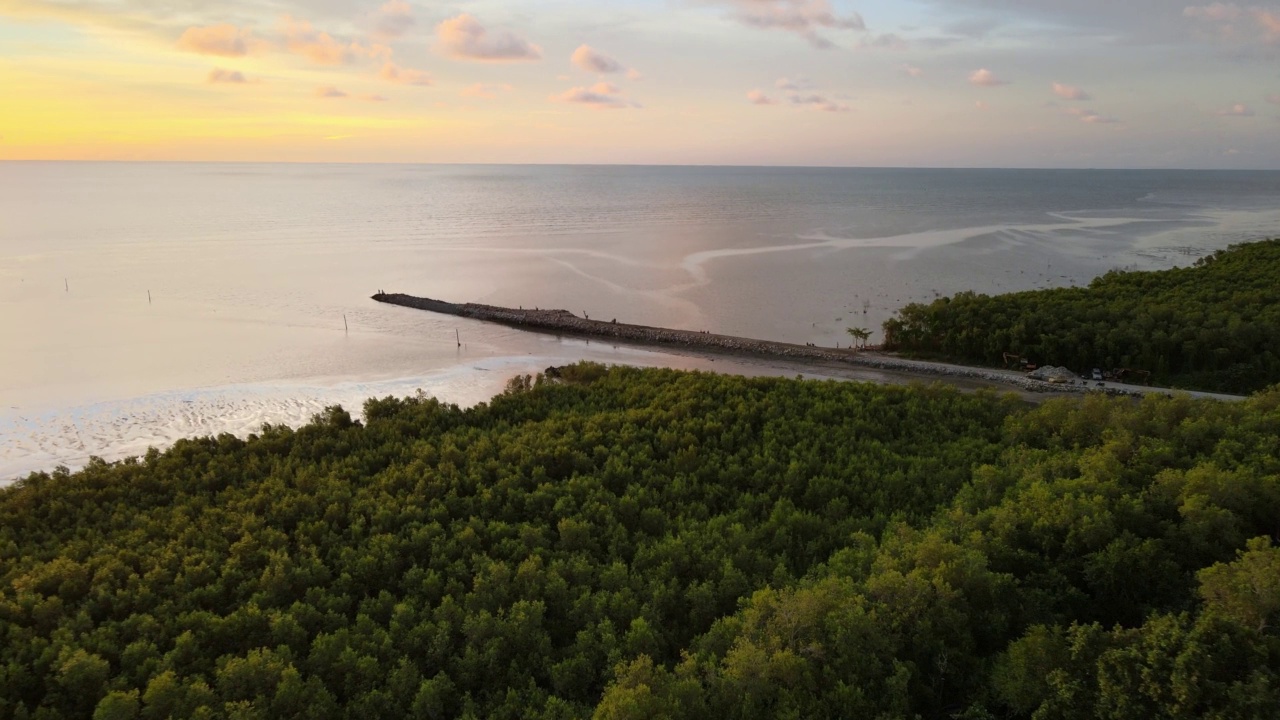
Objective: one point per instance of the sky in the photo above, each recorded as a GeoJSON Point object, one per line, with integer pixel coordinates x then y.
{"type": "Point", "coordinates": [910, 83]}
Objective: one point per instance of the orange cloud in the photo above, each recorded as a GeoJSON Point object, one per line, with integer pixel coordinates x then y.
{"type": "Point", "coordinates": [224, 40]}
{"type": "Point", "coordinates": [404, 76]}
{"type": "Point", "coordinates": [329, 91]}
{"type": "Point", "coordinates": [219, 75]}
{"type": "Point", "coordinates": [485, 90]}
{"type": "Point", "coordinates": [301, 38]}
{"type": "Point", "coordinates": [1237, 110]}
{"type": "Point", "coordinates": [758, 97]}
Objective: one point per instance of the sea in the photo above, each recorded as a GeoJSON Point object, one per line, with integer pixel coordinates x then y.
{"type": "Point", "coordinates": [145, 302]}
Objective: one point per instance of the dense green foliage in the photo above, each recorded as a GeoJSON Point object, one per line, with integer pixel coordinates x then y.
{"type": "Point", "coordinates": [646, 544]}
{"type": "Point", "coordinates": [1209, 327]}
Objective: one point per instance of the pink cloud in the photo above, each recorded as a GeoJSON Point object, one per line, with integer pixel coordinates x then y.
{"type": "Point", "coordinates": [1273, 99]}
{"type": "Point", "coordinates": [485, 90]}
{"type": "Point", "coordinates": [592, 60]}
{"type": "Point", "coordinates": [1270, 23]}
{"type": "Point", "coordinates": [757, 97]}
{"type": "Point", "coordinates": [817, 101]}
{"type": "Point", "coordinates": [796, 83]}
{"type": "Point", "coordinates": [1230, 20]}
{"type": "Point", "coordinates": [912, 71]}
{"type": "Point", "coordinates": [1237, 110]}
{"type": "Point", "coordinates": [404, 76]}
{"type": "Point", "coordinates": [1069, 92]}
{"type": "Point", "coordinates": [1096, 119]}
{"type": "Point", "coordinates": [985, 78]}
{"type": "Point", "coordinates": [1217, 12]}
{"type": "Point", "coordinates": [329, 91]}
{"type": "Point", "coordinates": [224, 40]}
{"type": "Point", "coordinates": [601, 95]}
{"type": "Point", "coordinates": [393, 19]}
{"type": "Point", "coordinates": [803, 17]}
{"type": "Point", "coordinates": [464, 38]}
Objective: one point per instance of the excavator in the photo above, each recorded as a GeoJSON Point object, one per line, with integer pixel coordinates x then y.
{"type": "Point", "coordinates": [1130, 375]}
{"type": "Point", "coordinates": [1015, 361]}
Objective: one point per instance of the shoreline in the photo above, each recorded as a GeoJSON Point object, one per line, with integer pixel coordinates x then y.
{"type": "Point", "coordinates": [563, 322]}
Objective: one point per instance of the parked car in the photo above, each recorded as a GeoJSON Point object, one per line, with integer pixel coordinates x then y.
{"type": "Point", "coordinates": [1097, 373]}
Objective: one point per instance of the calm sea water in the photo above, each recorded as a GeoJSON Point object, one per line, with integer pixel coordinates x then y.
{"type": "Point", "coordinates": [144, 302]}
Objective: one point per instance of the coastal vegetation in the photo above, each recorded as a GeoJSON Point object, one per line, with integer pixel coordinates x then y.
{"type": "Point", "coordinates": [621, 544]}
{"type": "Point", "coordinates": [1209, 327]}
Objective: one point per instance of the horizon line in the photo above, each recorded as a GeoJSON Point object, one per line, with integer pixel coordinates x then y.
{"type": "Point", "coordinates": [635, 165]}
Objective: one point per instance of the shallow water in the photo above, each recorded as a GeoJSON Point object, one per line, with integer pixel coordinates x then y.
{"type": "Point", "coordinates": [258, 276]}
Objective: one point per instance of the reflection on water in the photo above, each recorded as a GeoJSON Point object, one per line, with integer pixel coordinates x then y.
{"type": "Point", "coordinates": [142, 302]}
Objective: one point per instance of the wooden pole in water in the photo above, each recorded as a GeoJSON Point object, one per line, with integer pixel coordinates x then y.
{"type": "Point", "coordinates": [458, 335]}
{"type": "Point", "coordinates": [66, 285]}
{"type": "Point", "coordinates": [345, 329]}
{"type": "Point", "coordinates": [148, 297]}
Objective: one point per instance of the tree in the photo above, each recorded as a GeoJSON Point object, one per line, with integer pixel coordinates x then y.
{"type": "Point", "coordinates": [859, 335]}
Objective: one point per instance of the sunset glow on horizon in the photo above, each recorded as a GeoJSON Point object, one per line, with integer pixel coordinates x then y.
{"type": "Point", "coordinates": [975, 83]}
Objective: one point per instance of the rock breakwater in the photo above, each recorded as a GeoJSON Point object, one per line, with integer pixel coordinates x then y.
{"type": "Point", "coordinates": [563, 322]}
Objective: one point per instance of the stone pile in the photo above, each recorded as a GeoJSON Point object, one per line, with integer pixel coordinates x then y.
{"type": "Point", "coordinates": [563, 321]}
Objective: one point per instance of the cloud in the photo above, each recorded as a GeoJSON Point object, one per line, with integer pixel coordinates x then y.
{"type": "Point", "coordinates": [1237, 110]}
{"type": "Point", "coordinates": [985, 78]}
{"type": "Point", "coordinates": [592, 60]}
{"type": "Point", "coordinates": [887, 41]}
{"type": "Point", "coordinates": [981, 104]}
{"type": "Point", "coordinates": [803, 17]}
{"type": "Point", "coordinates": [486, 91]}
{"type": "Point", "coordinates": [796, 83]}
{"type": "Point", "coordinates": [757, 97]}
{"type": "Point", "coordinates": [393, 19]}
{"type": "Point", "coordinates": [817, 101]}
{"type": "Point", "coordinates": [318, 47]}
{"type": "Point", "coordinates": [404, 76]}
{"type": "Point", "coordinates": [1069, 92]}
{"type": "Point", "coordinates": [329, 91]}
{"type": "Point", "coordinates": [1237, 23]}
{"type": "Point", "coordinates": [1217, 12]}
{"type": "Point", "coordinates": [223, 40]}
{"type": "Point", "coordinates": [601, 95]}
{"type": "Point", "coordinates": [1273, 99]}
{"type": "Point", "coordinates": [1090, 117]}
{"type": "Point", "coordinates": [1096, 119]}
{"type": "Point", "coordinates": [375, 98]}
{"type": "Point", "coordinates": [1270, 22]}
{"type": "Point", "coordinates": [912, 70]}
{"type": "Point", "coordinates": [219, 75]}
{"type": "Point", "coordinates": [464, 38]}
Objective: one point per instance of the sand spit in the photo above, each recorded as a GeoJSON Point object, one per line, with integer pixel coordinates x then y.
{"type": "Point", "coordinates": [563, 322]}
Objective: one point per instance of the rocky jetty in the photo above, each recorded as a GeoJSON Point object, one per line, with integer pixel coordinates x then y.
{"type": "Point", "coordinates": [563, 322]}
